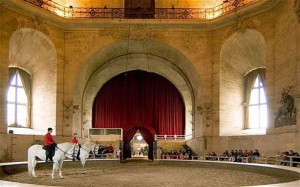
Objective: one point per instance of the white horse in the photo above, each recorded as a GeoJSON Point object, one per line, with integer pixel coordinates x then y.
{"type": "Point", "coordinates": [37, 151]}
{"type": "Point", "coordinates": [85, 150]}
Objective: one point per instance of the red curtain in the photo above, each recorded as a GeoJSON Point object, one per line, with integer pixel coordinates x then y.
{"type": "Point", "coordinates": [139, 98]}
{"type": "Point", "coordinates": [128, 135]}
{"type": "Point", "coordinates": [149, 138]}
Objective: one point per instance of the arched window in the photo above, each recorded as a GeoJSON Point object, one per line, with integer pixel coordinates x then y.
{"type": "Point", "coordinates": [18, 98]}
{"type": "Point", "coordinates": [258, 106]}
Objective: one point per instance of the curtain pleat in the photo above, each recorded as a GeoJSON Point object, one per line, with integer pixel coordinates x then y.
{"type": "Point", "coordinates": [26, 80]}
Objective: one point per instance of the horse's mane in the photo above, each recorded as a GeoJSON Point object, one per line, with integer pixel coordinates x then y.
{"type": "Point", "coordinates": [88, 146]}
{"type": "Point", "coordinates": [66, 145]}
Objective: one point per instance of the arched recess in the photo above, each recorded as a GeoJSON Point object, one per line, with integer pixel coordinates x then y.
{"type": "Point", "coordinates": [33, 51]}
{"type": "Point", "coordinates": [146, 55]}
{"type": "Point", "coordinates": [241, 53]}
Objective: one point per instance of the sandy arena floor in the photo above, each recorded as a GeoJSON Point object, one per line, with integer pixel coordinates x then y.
{"type": "Point", "coordinates": [145, 173]}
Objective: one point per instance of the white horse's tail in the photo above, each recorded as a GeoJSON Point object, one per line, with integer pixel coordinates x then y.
{"type": "Point", "coordinates": [30, 160]}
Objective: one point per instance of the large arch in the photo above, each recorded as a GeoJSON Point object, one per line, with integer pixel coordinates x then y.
{"type": "Point", "coordinates": [146, 55]}
{"type": "Point", "coordinates": [241, 53]}
{"type": "Point", "coordinates": [33, 51]}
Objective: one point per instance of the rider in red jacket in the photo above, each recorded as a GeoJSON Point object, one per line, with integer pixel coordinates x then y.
{"type": "Point", "coordinates": [49, 145]}
{"type": "Point", "coordinates": [75, 143]}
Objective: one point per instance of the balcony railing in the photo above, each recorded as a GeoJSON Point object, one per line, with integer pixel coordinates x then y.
{"type": "Point", "coordinates": [159, 13]}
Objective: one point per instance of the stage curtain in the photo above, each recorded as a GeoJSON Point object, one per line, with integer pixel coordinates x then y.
{"type": "Point", "coordinates": [138, 98]}
{"type": "Point", "coordinates": [149, 138]}
{"type": "Point", "coordinates": [128, 135]}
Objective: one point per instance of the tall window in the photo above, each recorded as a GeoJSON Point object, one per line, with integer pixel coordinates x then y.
{"type": "Point", "coordinates": [258, 106]}
{"type": "Point", "coordinates": [17, 112]}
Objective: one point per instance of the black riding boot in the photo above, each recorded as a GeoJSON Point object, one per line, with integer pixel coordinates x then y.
{"type": "Point", "coordinates": [47, 155]}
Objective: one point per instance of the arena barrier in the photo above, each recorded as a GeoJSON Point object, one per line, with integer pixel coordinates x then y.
{"type": "Point", "coordinates": [16, 167]}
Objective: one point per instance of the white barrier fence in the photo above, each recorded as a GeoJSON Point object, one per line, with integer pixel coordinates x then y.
{"type": "Point", "coordinates": [289, 160]}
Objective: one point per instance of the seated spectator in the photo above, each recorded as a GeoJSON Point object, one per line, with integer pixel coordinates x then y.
{"type": "Point", "coordinates": [236, 154]}
{"type": "Point", "coordinates": [256, 153]}
{"type": "Point", "coordinates": [284, 156]}
{"type": "Point", "coordinates": [225, 154]}
{"type": "Point", "coordinates": [96, 149]}
{"type": "Point", "coordinates": [239, 156]}
{"type": "Point", "coordinates": [292, 153]}
{"type": "Point", "coordinates": [189, 153]}
{"type": "Point", "coordinates": [250, 153]}
{"type": "Point", "coordinates": [110, 149]}
{"type": "Point", "coordinates": [213, 154]}
{"type": "Point", "coordinates": [245, 153]}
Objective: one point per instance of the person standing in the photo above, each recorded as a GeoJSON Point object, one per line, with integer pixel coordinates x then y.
{"type": "Point", "coordinates": [49, 145]}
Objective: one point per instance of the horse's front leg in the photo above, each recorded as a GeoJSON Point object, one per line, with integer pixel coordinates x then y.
{"type": "Point", "coordinates": [54, 168]}
{"type": "Point", "coordinates": [33, 166]}
{"type": "Point", "coordinates": [82, 160]}
{"type": "Point", "coordinates": [60, 163]}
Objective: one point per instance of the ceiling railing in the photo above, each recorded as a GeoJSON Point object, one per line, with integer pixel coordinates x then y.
{"type": "Point", "coordinates": [227, 7]}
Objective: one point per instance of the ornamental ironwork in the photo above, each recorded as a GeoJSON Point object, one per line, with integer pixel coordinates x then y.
{"type": "Point", "coordinates": [227, 7]}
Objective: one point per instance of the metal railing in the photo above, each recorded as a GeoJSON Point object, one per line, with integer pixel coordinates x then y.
{"type": "Point", "coordinates": [159, 13]}
{"type": "Point", "coordinates": [170, 137]}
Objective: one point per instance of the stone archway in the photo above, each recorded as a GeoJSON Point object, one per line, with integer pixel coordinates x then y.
{"type": "Point", "coordinates": [148, 55]}
{"type": "Point", "coordinates": [33, 51]}
{"type": "Point", "coordinates": [241, 53]}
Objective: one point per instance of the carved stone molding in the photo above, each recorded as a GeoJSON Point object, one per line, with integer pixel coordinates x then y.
{"type": "Point", "coordinates": [34, 23]}
{"type": "Point", "coordinates": [139, 32]}
{"type": "Point", "coordinates": [241, 26]}
{"type": "Point", "coordinates": [206, 111]}
{"type": "Point", "coordinates": [69, 110]}
{"type": "Point", "coordinates": [85, 43]}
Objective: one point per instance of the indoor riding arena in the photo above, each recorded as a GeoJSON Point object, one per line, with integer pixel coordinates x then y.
{"type": "Point", "coordinates": [149, 93]}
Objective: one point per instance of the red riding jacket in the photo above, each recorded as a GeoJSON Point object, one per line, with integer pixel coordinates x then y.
{"type": "Point", "coordinates": [48, 139]}
{"type": "Point", "coordinates": [74, 140]}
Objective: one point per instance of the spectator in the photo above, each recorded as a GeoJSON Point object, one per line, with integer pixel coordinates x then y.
{"type": "Point", "coordinates": [292, 153]}
{"type": "Point", "coordinates": [189, 153]}
{"type": "Point", "coordinates": [225, 154]}
{"type": "Point", "coordinates": [256, 153]}
{"type": "Point", "coordinates": [110, 149]}
{"type": "Point", "coordinates": [214, 155]}
{"type": "Point", "coordinates": [118, 153]}
{"type": "Point", "coordinates": [250, 153]}
{"type": "Point", "coordinates": [284, 156]}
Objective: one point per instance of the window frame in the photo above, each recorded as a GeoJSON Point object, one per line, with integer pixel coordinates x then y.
{"type": "Point", "coordinates": [259, 104]}
{"type": "Point", "coordinates": [18, 85]}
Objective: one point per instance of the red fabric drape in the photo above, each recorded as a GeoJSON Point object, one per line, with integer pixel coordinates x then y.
{"type": "Point", "coordinates": [139, 97]}
{"type": "Point", "coordinates": [149, 138]}
{"type": "Point", "coordinates": [128, 135]}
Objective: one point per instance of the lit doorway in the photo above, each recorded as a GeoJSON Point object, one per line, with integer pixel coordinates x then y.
{"type": "Point", "coordinates": [139, 147]}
